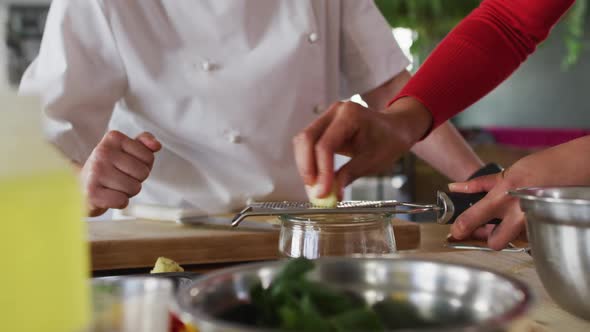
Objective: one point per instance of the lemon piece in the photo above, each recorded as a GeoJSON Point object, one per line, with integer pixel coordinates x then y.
{"type": "Point", "coordinates": [330, 201]}
{"type": "Point", "coordinates": [164, 265]}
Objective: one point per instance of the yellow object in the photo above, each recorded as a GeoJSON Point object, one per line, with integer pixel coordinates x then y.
{"type": "Point", "coordinates": [190, 328]}
{"type": "Point", "coordinates": [44, 285]}
{"type": "Point", "coordinates": [329, 201]}
{"type": "Point", "coordinates": [164, 265]}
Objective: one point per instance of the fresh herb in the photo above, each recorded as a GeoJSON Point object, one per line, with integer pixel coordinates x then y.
{"type": "Point", "coordinates": [433, 19]}
{"type": "Point", "coordinates": [294, 303]}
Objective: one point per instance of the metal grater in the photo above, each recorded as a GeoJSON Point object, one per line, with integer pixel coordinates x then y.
{"type": "Point", "coordinates": [345, 207]}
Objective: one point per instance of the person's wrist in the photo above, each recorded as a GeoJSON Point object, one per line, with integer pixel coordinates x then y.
{"type": "Point", "coordinates": [513, 178]}
{"type": "Point", "coordinates": [413, 118]}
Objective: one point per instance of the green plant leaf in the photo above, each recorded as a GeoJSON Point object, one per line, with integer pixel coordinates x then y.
{"type": "Point", "coordinates": [575, 22]}
{"type": "Point", "coordinates": [295, 269]}
{"type": "Point", "coordinates": [434, 19]}
{"type": "Point", "coordinates": [362, 319]}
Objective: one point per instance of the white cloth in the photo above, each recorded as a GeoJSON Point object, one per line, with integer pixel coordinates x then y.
{"type": "Point", "coordinates": [223, 84]}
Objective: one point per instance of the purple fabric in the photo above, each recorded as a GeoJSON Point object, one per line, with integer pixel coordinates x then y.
{"type": "Point", "coordinates": [534, 137]}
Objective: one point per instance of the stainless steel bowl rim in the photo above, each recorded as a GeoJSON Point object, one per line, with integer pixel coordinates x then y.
{"type": "Point", "coordinates": [558, 227]}
{"type": "Point", "coordinates": [158, 275]}
{"type": "Point", "coordinates": [499, 321]}
{"type": "Point", "coordinates": [527, 193]}
{"type": "Point", "coordinates": [128, 278]}
{"type": "Point", "coordinates": [178, 280]}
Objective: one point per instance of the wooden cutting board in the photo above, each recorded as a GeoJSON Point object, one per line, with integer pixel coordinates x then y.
{"type": "Point", "coordinates": [125, 244]}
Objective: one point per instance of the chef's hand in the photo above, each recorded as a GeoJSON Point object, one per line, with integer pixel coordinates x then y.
{"type": "Point", "coordinates": [373, 140]}
{"type": "Point", "coordinates": [115, 170]}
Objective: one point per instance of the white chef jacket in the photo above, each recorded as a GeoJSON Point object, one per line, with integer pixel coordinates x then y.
{"type": "Point", "coordinates": [223, 84]}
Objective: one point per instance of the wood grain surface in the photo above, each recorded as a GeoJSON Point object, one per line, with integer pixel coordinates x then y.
{"type": "Point", "coordinates": [125, 244]}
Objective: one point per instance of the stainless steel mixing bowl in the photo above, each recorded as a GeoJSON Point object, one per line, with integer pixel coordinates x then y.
{"type": "Point", "coordinates": [452, 297]}
{"type": "Point", "coordinates": [558, 226]}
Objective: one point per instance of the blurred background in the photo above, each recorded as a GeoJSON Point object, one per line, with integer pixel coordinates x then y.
{"type": "Point", "coordinates": [541, 105]}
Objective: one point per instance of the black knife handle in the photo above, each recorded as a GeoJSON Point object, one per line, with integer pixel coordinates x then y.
{"type": "Point", "coordinates": [462, 202]}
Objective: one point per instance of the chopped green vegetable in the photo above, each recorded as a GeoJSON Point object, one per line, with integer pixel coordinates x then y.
{"type": "Point", "coordinates": [361, 319]}
{"type": "Point", "coordinates": [391, 310]}
{"type": "Point", "coordinates": [295, 270]}
{"type": "Point", "coordinates": [294, 303]}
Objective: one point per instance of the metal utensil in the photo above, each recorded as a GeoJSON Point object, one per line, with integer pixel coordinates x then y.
{"type": "Point", "coordinates": [448, 206]}
{"type": "Point", "coordinates": [449, 297]}
{"type": "Point", "coordinates": [178, 279]}
{"type": "Point", "coordinates": [224, 222]}
{"type": "Point", "coordinates": [484, 248]}
{"type": "Point", "coordinates": [558, 226]}
{"type": "Point", "coordinates": [191, 217]}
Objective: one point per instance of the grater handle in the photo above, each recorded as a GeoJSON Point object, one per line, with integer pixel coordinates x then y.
{"type": "Point", "coordinates": [461, 201]}
{"type": "Point", "coordinates": [489, 169]}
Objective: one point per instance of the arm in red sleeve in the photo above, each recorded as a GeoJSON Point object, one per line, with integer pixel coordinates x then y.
{"type": "Point", "coordinates": [480, 53]}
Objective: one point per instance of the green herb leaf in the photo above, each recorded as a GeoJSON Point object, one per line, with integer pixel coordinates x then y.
{"type": "Point", "coordinates": [293, 303]}
{"type": "Point", "coordinates": [362, 319]}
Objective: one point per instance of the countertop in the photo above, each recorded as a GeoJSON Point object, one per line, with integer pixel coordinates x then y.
{"type": "Point", "coordinates": [116, 245]}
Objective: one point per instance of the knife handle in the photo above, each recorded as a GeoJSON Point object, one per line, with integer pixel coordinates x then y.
{"type": "Point", "coordinates": [462, 202]}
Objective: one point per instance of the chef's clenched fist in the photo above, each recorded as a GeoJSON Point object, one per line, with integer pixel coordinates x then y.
{"type": "Point", "coordinates": [115, 170]}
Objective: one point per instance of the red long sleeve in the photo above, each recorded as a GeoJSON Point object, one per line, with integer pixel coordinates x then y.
{"type": "Point", "coordinates": [480, 53]}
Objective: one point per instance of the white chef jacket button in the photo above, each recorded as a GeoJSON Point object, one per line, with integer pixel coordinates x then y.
{"type": "Point", "coordinates": [313, 37]}
{"type": "Point", "coordinates": [207, 65]}
{"type": "Point", "coordinates": [318, 109]}
{"type": "Point", "coordinates": [234, 138]}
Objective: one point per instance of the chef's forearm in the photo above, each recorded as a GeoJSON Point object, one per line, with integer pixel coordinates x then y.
{"type": "Point", "coordinates": [444, 149]}
{"type": "Point", "coordinates": [447, 151]}
{"type": "Point", "coordinates": [378, 98]}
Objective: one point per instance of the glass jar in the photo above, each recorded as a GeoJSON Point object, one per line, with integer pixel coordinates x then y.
{"type": "Point", "coordinates": [316, 236]}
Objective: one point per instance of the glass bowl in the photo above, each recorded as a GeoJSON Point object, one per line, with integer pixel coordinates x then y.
{"type": "Point", "coordinates": [316, 236]}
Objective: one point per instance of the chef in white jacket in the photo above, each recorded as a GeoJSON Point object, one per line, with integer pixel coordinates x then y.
{"type": "Point", "coordinates": [193, 104]}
